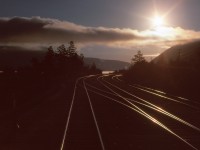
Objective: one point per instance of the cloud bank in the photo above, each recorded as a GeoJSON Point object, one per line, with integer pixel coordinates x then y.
{"type": "Point", "coordinates": [36, 31]}
{"type": "Point", "coordinates": [42, 30]}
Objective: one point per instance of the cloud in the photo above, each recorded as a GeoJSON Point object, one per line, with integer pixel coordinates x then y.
{"type": "Point", "coordinates": [45, 30]}
{"type": "Point", "coordinates": [37, 31]}
{"type": "Point", "coordinates": [42, 30]}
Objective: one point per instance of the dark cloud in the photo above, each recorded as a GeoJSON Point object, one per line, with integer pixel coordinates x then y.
{"type": "Point", "coordinates": [38, 30]}
{"type": "Point", "coordinates": [41, 30]}
{"type": "Point", "coordinates": [17, 26]}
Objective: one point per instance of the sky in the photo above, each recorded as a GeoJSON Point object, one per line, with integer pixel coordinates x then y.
{"type": "Point", "coordinates": [109, 29]}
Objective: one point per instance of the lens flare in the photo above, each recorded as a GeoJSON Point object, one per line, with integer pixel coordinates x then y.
{"type": "Point", "coordinates": [158, 21]}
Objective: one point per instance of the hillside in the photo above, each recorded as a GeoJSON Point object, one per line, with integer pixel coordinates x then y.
{"type": "Point", "coordinates": [187, 53]}
{"type": "Point", "coordinates": [17, 57]}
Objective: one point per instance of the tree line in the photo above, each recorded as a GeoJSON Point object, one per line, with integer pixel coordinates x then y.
{"type": "Point", "coordinates": [60, 66]}
{"type": "Point", "coordinates": [176, 78]}
{"type": "Point", "coordinates": [64, 61]}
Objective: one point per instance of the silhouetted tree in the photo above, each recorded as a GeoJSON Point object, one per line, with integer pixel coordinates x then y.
{"type": "Point", "coordinates": [93, 69]}
{"type": "Point", "coordinates": [138, 58]}
{"type": "Point", "coordinates": [62, 50]}
{"type": "Point", "coordinates": [49, 57]}
{"type": "Point", "coordinates": [71, 50]}
{"type": "Point", "coordinates": [62, 55]}
{"type": "Point", "coordinates": [82, 56]}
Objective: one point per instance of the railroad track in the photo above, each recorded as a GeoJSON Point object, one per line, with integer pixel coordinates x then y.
{"type": "Point", "coordinates": [108, 92]}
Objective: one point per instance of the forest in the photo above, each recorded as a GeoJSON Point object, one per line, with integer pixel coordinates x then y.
{"type": "Point", "coordinates": [25, 88]}
{"type": "Point", "coordinates": [178, 78]}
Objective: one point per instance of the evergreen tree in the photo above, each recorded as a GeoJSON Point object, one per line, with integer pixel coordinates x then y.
{"type": "Point", "coordinates": [82, 56]}
{"type": "Point", "coordinates": [138, 58]}
{"type": "Point", "coordinates": [49, 57]}
{"type": "Point", "coordinates": [71, 49]}
{"type": "Point", "coordinates": [62, 50]}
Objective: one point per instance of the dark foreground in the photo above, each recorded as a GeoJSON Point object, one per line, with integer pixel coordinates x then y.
{"type": "Point", "coordinates": [103, 112]}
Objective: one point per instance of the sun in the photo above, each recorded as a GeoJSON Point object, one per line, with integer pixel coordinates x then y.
{"type": "Point", "coordinates": [160, 28]}
{"type": "Point", "coordinates": [158, 21]}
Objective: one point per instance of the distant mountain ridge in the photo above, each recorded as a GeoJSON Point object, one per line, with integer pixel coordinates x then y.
{"type": "Point", "coordinates": [188, 53]}
{"type": "Point", "coordinates": [17, 57]}
{"type": "Point", "coordinates": [107, 65]}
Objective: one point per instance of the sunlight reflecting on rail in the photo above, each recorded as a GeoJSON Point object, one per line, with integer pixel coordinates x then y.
{"type": "Point", "coordinates": [158, 91]}
{"type": "Point", "coordinates": [69, 114]}
{"type": "Point", "coordinates": [162, 96]}
{"type": "Point", "coordinates": [94, 116]}
{"type": "Point", "coordinates": [156, 108]}
{"type": "Point", "coordinates": [142, 112]}
{"type": "Point", "coordinates": [163, 93]}
{"type": "Point", "coordinates": [167, 114]}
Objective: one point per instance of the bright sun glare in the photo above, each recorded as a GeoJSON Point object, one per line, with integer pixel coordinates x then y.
{"type": "Point", "coordinates": [158, 21]}
{"type": "Point", "coordinates": [160, 27]}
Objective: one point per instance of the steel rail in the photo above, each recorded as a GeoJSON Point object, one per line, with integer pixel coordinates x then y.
{"type": "Point", "coordinates": [69, 114]}
{"type": "Point", "coordinates": [164, 96]}
{"type": "Point", "coordinates": [156, 108]}
{"type": "Point", "coordinates": [148, 116]}
{"type": "Point", "coordinates": [94, 117]}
